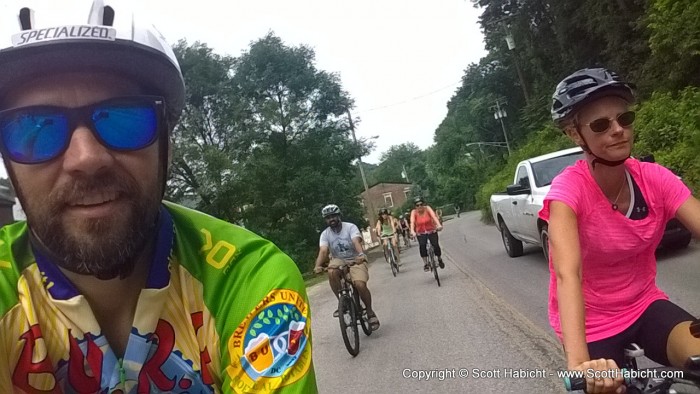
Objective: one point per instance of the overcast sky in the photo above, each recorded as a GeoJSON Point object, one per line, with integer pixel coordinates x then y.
{"type": "Point", "coordinates": [401, 60]}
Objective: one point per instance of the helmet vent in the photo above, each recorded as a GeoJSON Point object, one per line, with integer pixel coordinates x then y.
{"type": "Point", "coordinates": [101, 14]}
{"type": "Point", "coordinates": [108, 16]}
{"type": "Point", "coordinates": [26, 18]}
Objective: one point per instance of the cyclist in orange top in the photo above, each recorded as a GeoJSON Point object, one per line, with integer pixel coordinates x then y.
{"type": "Point", "coordinates": [424, 226]}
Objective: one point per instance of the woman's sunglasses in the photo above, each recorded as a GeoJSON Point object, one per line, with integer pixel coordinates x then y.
{"type": "Point", "coordinates": [36, 134]}
{"type": "Point", "coordinates": [601, 125]}
{"type": "Point", "coordinates": [419, 204]}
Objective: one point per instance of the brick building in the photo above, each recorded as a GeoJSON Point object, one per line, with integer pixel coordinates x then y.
{"type": "Point", "coordinates": [384, 195]}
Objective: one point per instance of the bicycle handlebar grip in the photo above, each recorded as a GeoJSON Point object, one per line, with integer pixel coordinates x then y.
{"type": "Point", "coordinates": [573, 384]}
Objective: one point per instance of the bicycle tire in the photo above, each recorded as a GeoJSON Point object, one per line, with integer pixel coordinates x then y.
{"type": "Point", "coordinates": [392, 261]}
{"type": "Point", "coordinates": [396, 261]}
{"type": "Point", "coordinates": [433, 266]}
{"type": "Point", "coordinates": [364, 323]}
{"type": "Point", "coordinates": [346, 316]}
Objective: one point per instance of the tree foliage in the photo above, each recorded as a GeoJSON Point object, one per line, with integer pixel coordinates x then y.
{"type": "Point", "coordinates": [654, 44]}
{"type": "Point", "coordinates": [265, 142]}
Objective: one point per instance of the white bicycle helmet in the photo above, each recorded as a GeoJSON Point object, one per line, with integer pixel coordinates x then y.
{"type": "Point", "coordinates": [49, 42]}
{"type": "Point", "coordinates": [330, 209]}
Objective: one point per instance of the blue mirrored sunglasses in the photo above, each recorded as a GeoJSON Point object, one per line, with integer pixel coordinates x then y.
{"type": "Point", "coordinates": [36, 134]}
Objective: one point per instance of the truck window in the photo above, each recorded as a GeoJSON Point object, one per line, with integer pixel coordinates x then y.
{"type": "Point", "coordinates": [521, 178]}
{"type": "Point", "coordinates": [545, 171]}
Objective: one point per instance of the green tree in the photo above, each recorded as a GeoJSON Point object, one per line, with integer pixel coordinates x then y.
{"type": "Point", "coordinates": [205, 151]}
{"type": "Point", "coordinates": [296, 143]}
{"type": "Point", "coordinates": [675, 43]}
{"type": "Point", "coordinates": [264, 142]}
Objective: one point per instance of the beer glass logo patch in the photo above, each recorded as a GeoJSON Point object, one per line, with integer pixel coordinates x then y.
{"type": "Point", "coordinates": [269, 348]}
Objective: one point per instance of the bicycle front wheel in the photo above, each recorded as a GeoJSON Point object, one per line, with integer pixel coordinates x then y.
{"type": "Point", "coordinates": [392, 262]}
{"type": "Point", "coordinates": [361, 314]}
{"type": "Point", "coordinates": [434, 267]}
{"type": "Point", "coordinates": [348, 324]}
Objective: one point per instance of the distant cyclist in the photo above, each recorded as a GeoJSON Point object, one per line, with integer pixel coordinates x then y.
{"type": "Point", "coordinates": [386, 230]}
{"type": "Point", "coordinates": [607, 214]}
{"type": "Point", "coordinates": [343, 242]}
{"type": "Point", "coordinates": [404, 229]}
{"type": "Point", "coordinates": [424, 227]}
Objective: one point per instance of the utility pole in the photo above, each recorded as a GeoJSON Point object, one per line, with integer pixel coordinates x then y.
{"type": "Point", "coordinates": [370, 207]}
{"type": "Point", "coordinates": [502, 22]}
{"type": "Point", "coordinates": [499, 114]}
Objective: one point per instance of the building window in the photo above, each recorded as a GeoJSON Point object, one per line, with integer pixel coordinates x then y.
{"type": "Point", "coordinates": [388, 201]}
{"type": "Point", "coordinates": [406, 192]}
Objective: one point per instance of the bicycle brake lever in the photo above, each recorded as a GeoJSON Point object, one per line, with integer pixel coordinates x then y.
{"type": "Point", "coordinates": [692, 363]}
{"type": "Point", "coordinates": [695, 328]}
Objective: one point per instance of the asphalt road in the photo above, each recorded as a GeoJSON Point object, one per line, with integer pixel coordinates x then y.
{"type": "Point", "coordinates": [489, 318]}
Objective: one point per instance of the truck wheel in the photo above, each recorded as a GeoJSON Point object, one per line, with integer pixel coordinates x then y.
{"type": "Point", "coordinates": [514, 248]}
{"type": "Point", "coordinates": [544, 238]}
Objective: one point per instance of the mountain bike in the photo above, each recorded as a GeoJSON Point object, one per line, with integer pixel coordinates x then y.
{"type": "Point", "coordinates": [350, 312]}
{"type": "Point", "coordinates": [432, 261]}
{"type": "Point", "coordinates": [389, 254]}
{"type": "Point", "coordinates": [655, 380]}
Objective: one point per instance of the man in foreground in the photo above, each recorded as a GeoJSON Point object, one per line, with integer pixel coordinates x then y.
{"type": "Point", "coordinates": [105, 287]}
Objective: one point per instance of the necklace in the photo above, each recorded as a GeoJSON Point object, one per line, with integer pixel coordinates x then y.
{"type": "Point", "coordinates": [614, 204]}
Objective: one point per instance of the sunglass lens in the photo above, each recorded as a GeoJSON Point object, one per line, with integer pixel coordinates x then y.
{"type": "Point", "coordinates": [126, 127]}
{"type": "Point", "coordinates": [34, 136]}
{"type": "Point", "coordinates": [600, 125]}
{"type": "Point", "coordinates": [626, 119]}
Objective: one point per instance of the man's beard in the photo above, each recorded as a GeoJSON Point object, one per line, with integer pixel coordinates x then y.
{"type": "Point", "coordinates": [102, 247]}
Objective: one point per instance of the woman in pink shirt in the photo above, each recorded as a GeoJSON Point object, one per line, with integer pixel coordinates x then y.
{"type": "Point", "coordinates": [606, 216]}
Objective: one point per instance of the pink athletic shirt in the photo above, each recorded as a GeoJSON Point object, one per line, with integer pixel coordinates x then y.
{"type": "Point", "coordinates": [617, 253]}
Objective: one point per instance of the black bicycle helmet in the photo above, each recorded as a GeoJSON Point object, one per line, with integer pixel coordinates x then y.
{"type": "Point", "coordinates": [330, 210]}
{"type": "Point", "coordinates": [418, 199]}
{"type": "Point", "coordinates": [584, 85]}
{"type": "Point", "coordinates": [383, 211]}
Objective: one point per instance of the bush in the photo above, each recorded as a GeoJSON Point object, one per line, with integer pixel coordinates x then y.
{"type": "Point", "coordinates": [668, 126]}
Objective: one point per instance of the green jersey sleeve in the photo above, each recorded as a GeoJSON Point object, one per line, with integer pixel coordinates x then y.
{"type": "Point", "coordinates": [257, 300]}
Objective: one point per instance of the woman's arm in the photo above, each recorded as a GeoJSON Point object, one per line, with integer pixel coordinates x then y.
{"type": "Point", "coordinates": [433, 216]}
{"type": "Point", "coordinates": [413, 221]}
{"type": "Point", "coordinates": [566, 252]}
{"type": "Point", "coordinates": [689, 214]}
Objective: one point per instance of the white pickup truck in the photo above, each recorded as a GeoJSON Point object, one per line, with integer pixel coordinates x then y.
{"type": "Point", "coordinates": [516, 211]}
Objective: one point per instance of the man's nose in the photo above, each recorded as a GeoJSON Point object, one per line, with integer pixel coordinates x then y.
{"type": "Point", "coordinates": [86, 153]}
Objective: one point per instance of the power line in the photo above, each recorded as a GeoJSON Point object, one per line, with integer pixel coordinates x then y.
{"type": "Point", "coordinates": [414, 98]}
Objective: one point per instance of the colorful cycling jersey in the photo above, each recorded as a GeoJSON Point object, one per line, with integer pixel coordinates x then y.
{"type": "Point", "coordinates": [223, 311]}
